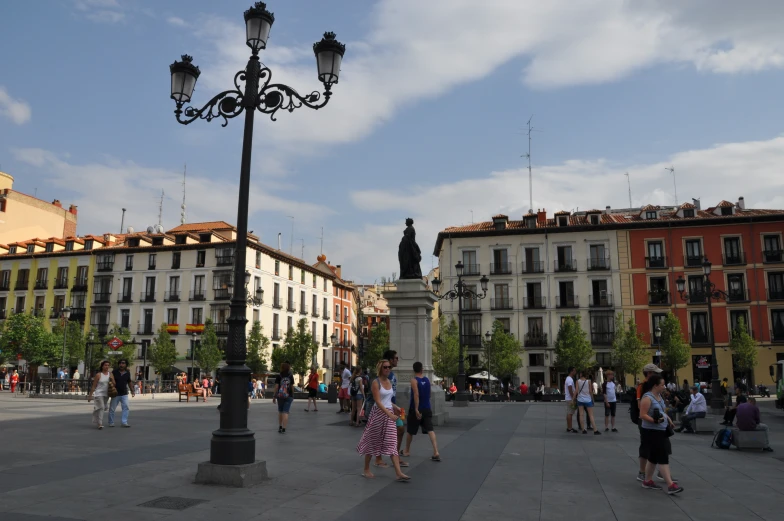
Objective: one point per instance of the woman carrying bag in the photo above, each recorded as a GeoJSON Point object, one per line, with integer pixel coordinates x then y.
{"type": "Point", "coordinates": [103, 388]}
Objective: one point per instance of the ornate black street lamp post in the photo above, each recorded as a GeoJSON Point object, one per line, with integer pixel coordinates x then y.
{"type": "Point", "coordinates": [233, 443]}
{"type": "Point", "coordinates": [460, 291]}
{"type": "Point", "coordinates": [709, 292]}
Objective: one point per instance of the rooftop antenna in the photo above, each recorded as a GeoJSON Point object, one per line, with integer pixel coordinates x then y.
{"type": "Point", "coordinates": [291, 241]}
{"type": "Point", "coordinates": [531, 129]}
{"type": "Point", "coordinates": [160, 209]}
{"type": "Point", "coordinates": [302, 255]}
{"type": "Point", "coordinates": [472, 216]}
{"type": "Point", "coordinates": [675, 186]}
{"type": "Point", "coordinates": [122, 221]}
{"type": "Point", "coordinates": [321, 250]}
{"type": "Point", "coordinates": [182, 208]}
{"type": "Point", "coordinates": [628, 182]}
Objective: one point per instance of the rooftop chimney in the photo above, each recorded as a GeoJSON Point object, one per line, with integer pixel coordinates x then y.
{"type": "Point", "coordinates": [72, 209]}
{"type": "Point", "coordinates": [338, 271]}
{"type": "Point", "coordinates": [696, 203]}
{"type": "Point", "coordinates": [541, 216]}
{"type": "Point", "coordinates": [607, 209]}
{"type": "Point", "coordinates": [57, 203]}
{"type": "Point", "coordinates": [741, 203]}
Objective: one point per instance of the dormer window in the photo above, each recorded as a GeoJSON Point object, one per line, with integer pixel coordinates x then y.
{"type": "Point", "coordinates": [650, 214]}
{"type": "Point", "coordinates": [204, 237]}
{"type": "Point", "coordinates": [88, 244]}
{"type": "Point", "coordinates": [563, 220]}
{"type": "Point", "coordinates": [688, 212]}
{"type": "Point", "coordinates": [31, 248]}
{"type": "Point", "coordinates": [49, 246]}
{"type": "Point", "coordinates": [12, 249]}
{"type": "Point", "coordinates": [726, 210]}
{"type": "Point", "coordinates": [133, 242]}
{"type": "Point", "coordinates": [69, 246]}
{"type": "Point", "coordinates": [594, 218]}
{"type": "Point", "coordinates": [530, 222]}
{"type": "Point", "coordinates": [157, 241]}
{"type": "Point", "coordinates": [181, 239]}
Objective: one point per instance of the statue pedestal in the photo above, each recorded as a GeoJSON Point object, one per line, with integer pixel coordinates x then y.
{"type": "Point", "coordinates": [410, 334]}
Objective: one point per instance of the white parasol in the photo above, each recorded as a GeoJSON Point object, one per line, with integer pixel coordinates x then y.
{"type": "Point", "coordinates": [483, 376]}
{"type": "Point", "coordinates": [600, 379]}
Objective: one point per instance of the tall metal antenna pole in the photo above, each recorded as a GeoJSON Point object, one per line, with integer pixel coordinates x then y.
{"type": "Point", "coordinates": [291, 241]}
{"type": "Point", "coordinates": [674, 185]}
{"type": "Point", "coordinates": [160, 210]}
{"type": "Point", "coordinates": [122, 221]}
{"type": "Point", "coordinates": [472, 216]}
{"type": "Point", "coordinates": [302, 255]}
{"type": "Point", "coordinates": [628, 182]}
{"type": "Point", "coordinates": [321, 248]}
{"type": "Point", "coordinates": [182, 207]}
{"type": "Point", "coordinates": [530, 175]}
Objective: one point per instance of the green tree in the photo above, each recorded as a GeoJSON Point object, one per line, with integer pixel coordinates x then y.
{"type": "Point", "coordinates": [75, 342]}
{"type": "Point", "coordinates": [163, 354]}
{"type": "Point", "coordinates": [502, 352]}
{"type": "Point", "coordinates": [572, 348]}
{"type": "Point", "coordinates": [300, 348]}
{"type": "Point", "coordinates": [26, 334]}
{"type": "Point", "coordinates": [208, 354]}
{"type": "Point", "coordinates": [628, 354]}
{"type": "Point", "coordinates": [377, 344]}
{"type": "Point", "coordinates": [127, 351]}
{"type": "Point", "coordinates": [279, 355]}
{"type": "Point", "coordinates": [258, 343]}
{"type": "Point", "coordinates": [675, 352]}
{"type": "Point", "coordinates": [446, 349]}
{"type": "Point", "coordinates": [744, 348]}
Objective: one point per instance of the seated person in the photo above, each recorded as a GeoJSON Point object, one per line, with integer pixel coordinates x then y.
{"type": "Point", "coordinates": [729, 414]}
{"type": "Point", "coordinates": [453, 388]}
{"type": "Point", "coordinates": [697, 409]}
{"type": "Point", "coordinates": [523, 388]}
{"type": "Point", "coordinates": [198, 389]}
{"type": "Point", "coordinates": [748, 415]}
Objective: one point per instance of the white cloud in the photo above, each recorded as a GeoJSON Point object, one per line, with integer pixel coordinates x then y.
{"type": "Point", "coordinates": [16, 110]}
{"type": "Point", "coordinates": [103, 188]}
{"type": "Point", "coordinates": [176, 20]}
{"type": "Point", "coordinates": [101, 11]}
{"type": "Point", "coordinates": [725, 171]}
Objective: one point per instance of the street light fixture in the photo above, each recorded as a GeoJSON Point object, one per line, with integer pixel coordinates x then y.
{"type": "Point", "coordinates": [66, 314]}
{"type": "Point", "coordinates": [489, 338]}
{"type": "Point", "coordinates": [233, 443]}
{"type": "Point", "coordinates": [194, 339]}
{"type": "Point", "coordinates": [459, 291]}
{"type": "Point", "coordinates": [257, 299]}
{"type": "Point", "coordinates": [657, 334]}
{"type": "Point", "coordinates": [709, 292]}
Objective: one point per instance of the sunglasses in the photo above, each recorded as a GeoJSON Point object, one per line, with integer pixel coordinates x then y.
{"type": "Point", "coordinates": [386, 367]}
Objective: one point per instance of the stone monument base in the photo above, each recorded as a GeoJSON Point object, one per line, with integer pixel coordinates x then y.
{"type": "Point", "coordinates": [239, 476]}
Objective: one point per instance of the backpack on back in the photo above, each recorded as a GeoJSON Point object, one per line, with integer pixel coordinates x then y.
{"type": "Point", "coordinates": [634, 410]}
{"type": "Point", "coordinates": [355, 386]}
{"type": "Point", "coordinates": [723, 439]}
{"type": "Point", "coordinates": [283, 389]}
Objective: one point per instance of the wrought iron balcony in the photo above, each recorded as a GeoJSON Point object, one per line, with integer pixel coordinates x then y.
{"type": "Point", "coordinates": [198, 294]}
{"type": "Point", "coordinates": [222, 294]}
{"type": "Point", "coordinates": [502, 303]}
{"type": "Point", "coordinates": [775, 294]}
{"type": "Point", "coordinates": [78, 314]}
{"type": "Point", "coordinates": [145, 329]}
{"type": "Point", "coordinates": [3, 313]}
{"type": "Point", "coordinates": [327, 315]}
{"type": "Point", "coordinates": [221, 329]}
{"type": "Point", "coordinates": [224, 260]}
{"type": "Point", "coordinates": [124, 297]}
{"type": "Point", "coordinates": [102, 327]}
{"type": "Point", "coordinates": [41, 284]}
{"type": "Point", "coordinates": [22, 285]}
{"type": "Point", "coordinates": [533, 267]}
{"type": "Point", "coordinates": [104, 265]}
{"type": "Point", "coordinates": [80, 284]}
{"type": "Point", "coordinates": [472, 340]}
{"type": "Point", "coordinates": [500, 268]}
{"type": "Point", "coordinates": [315, 312]}
{"type": "Point", "coordinates": [772, 256]}
{"type": "Point", "coordinates": [278, 304]}
{"type": "Point", "coordinates": [698, 338]}
{"type": "Point", "coordinates": [693, 261]}
{"type": "Point", "coordinates": [472, 305]}
{"type": "Point", "coordinates": [598, 264]}
{"type": "Point", "coordinates": [655, 262]}
{"type": "Point", "coordinates": [565, 265]}
{"type": "Point", "coordinates": [102, 297]}
{"type": "Point", "coordinates": [171, 296]}
{"type": "Point", "coordinates": [291, 306]}
{"type": "Point", "coordinates": [147, 296]}
{"type": "Point", "coordinates": [470, 269]}
{"type": "Point", "coordinates": [777, 336]}
{"type": "Point", "coordinates": [276, 334]}
{"type": "Point", "coordinates": [535, 340]}
{"type": "Point", "coordinates": [603, 300]}
{"type": "Point", "coordinates": [738, 295]}
{"type": "Point", "coordinates": [658, 298]}
{"type": "Point", "coordinates": [535, 302]}
{"type": "Point", "coordinates": [602, 339]}
{"type": "Point", "coordinates": [5, 285]}
{"type": "Point", "coordinates": [303, 309]}
{"type": "Point", "coordinates": [697, 297]}
{"type": "Point", "coordinates": [734, 259]}
{"type": "Point", "coordinates": [566, 301]}
{"type": "Point", "coordinates": [61, 283]}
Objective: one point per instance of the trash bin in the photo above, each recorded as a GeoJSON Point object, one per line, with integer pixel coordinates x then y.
{"type": "Point", "coordinates": [332, 393]}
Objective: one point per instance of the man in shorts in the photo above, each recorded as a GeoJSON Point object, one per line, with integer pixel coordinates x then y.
{"type": "Point", "coordinates": [420, 412]}
{"type": "Point", "coordinates": [568, 395]}
{"type": "Point", "coordinates": [345, 382]}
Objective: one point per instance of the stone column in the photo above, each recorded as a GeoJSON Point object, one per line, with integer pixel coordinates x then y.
{"type": "Point", "coordinates": [410, 334]}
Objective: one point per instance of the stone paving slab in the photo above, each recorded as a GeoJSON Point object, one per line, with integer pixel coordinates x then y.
{"type": "Point", "coordinates": [500, 461]}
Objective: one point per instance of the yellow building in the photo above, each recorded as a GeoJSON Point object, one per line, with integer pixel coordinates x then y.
{"type": "Point", "coordinates": [23, 216]}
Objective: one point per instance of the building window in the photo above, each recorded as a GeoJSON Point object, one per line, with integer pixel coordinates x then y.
{"type": "Point", "coordinates": [176, 260]}
{"type": "Point", "coordinates": [69, 246]}
{"type": "Point", "coordinates": [181, 239]}
{"type": "Point", "coordinates": [291, 272]}
{"type": "Point", "coordinates": [277, 267]}
{"type": "Point", "coordinates": [49, 246]}
{"type": "Point", "coordinates": [726, 210]}
{"type": "Point", "coordinates": [289, 323]}
{"type": "Point", "coordinates": [12, 249]}
{"type": "Point", "coordinates": [337, 312]}
{"type": "Point", "coordinates": [470, 267]}
{"type": "Point", "coordinates": [128, 262]}
{"type": "Point", "coordinates": [197, 316]}
{"type": "Point", "coordinates": [201, 255]}
{"type": "Point", "coordinates": [506, 323]}
{"type": "Point", "coordinates": [594, 218]}
{"type": "Point", "coordinates": [151, 262]}
{"type": "Point", "coordinates": [688, 212]}
{"type": "Point", "coordinates": [88, 244]}
{"type": "Point", "coordinates": [736, 316]}
{"type": "Point", "coordinates": [258, 260]}
{"type": "Point", "coordinates": [777, 324]}
{"type": "Point", "coordinates": [563, 220]}
{"type": "Point", "coordinates": [315, 278]}
{"type": "Point", "coordinates": [302, 276]}
{"type": "Point", "coordinates": [699, 328]}
{"type": "Point", "coordinates": [205, 237]}
{"type": "Point", "coordinates": [125, 318]}
{"type": "Point", "coordinates": [650, 215]}
{"type": "Point", "coordinates": [171, 316]}
{"type": "Point", "coordinates": [693, 252]}
{"type": "Point", "coordinates": [31, 248]}
{"type": "Point", "coordinates": [325, 284]}
{"type": "Point", "coordinates": [656, 255]}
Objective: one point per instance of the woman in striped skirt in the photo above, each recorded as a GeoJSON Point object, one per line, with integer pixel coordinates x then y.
{"type": "Point", "coordinates": [380, 435]}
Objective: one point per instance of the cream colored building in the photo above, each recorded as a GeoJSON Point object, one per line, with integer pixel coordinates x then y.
{"type": "Point", "coordinates": [541, 270]}
{"type": "Point", "coordinates": [23, 216]}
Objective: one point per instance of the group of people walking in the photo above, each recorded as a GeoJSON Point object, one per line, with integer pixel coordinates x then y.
{"type": "Point", "coordinates": [108, 389]}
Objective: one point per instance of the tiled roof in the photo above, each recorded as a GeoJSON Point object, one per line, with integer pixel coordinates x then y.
{"type": "Point", "coordinates": [205, 226]}
{"type": "Point", "coordinates": [500, 216]}
{"type": "Point", "coordinates": [593, 211]}
{"type": "Point", "coordinates": [687, 205]}
{"type": "Point", "coordinates": [649, 208]}
{"type": "Point", "coordinates": [724, 204]}
{"type": "Point", "coordinates": [563, 212]}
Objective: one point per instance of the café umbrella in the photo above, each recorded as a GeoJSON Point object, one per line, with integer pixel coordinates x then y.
{"type": "Point", "coordinates": [483, 376]}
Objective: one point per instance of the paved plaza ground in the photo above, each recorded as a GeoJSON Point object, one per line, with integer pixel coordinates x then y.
{"type": "Point", "coordinates": [500, 462]}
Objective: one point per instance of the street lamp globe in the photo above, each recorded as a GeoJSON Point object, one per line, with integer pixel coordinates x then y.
{"type": "Point", "coordinates": [247, 278]}
{"type": "Point", "coordinates": [657, 332]}
{"type": "Point", "coordinates": [329, 54]}
{"type": "Point", "coordinates": [489, 336]}
{"type": "Point", "coordinates": [183, 79]}
{"type": "Point", "coordinates": [483, 283]}
{"type": "Point", "coordinates": [680, 283]}
{"type": "Point", "coordinates": [66, 313]}
{"type": "Point", "coordinates": [706, 266]}
{"type": "Point", "coordinates": [334, 339]}
{"type": "Point", "coordinates": [459, 268]}
{"type": "Point", "coordinates": [92, 336]}
{"type": "Point", "coordinates": [436, 282]}
{"type": "Point", "coordinates": [258, 22]}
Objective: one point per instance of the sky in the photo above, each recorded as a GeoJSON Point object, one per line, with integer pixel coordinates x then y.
{"type": "Point", "coordinates": [427, 121]}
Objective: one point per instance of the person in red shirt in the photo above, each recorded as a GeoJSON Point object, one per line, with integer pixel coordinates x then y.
{"type": "Point", "coordinates": [523, 388]}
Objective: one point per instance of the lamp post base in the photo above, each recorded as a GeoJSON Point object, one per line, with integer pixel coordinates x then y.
{"type": "Point", "coordinates": [239, 476]}
{"type": "Point", "coordinates": [461, 399]}
{"type": "Point", "coordinates": [717, 400]}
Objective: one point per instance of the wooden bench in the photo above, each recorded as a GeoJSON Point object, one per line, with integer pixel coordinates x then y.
{"type": "Point", "coordinates": [187, 391]}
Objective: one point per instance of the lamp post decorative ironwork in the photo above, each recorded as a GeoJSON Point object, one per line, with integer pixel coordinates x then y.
{"type": "Point", "coordinates": [66, 314]}
{"type": "Point", "coordinates": [459, 291]}
{"type": "Point", "coordinates": [233, 443]}
{"type": "Point", "coordinates": [709, 292]}
{"type": "Point", "coordinates": [489, 338]}
{"type": "Point", "coordinates": [257, 299]}
{"type": "Point", "coordinates": [194, 339]}
{"type": "Point", "coordinates": [657, 335]}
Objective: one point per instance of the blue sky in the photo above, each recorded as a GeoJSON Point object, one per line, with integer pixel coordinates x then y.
{"type": "Point", "coordinates": [428, 119]}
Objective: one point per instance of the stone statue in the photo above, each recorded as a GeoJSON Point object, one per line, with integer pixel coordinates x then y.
{"type": "Point", "coordinates": [409, 254]}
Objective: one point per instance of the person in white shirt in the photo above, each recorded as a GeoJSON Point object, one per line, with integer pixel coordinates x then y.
{"type": "Point", "coordinates": [609, 389]}
{"type": "Point", "coordinates": [568, 395]}
{"type": "Point", "coordinates": [697, 408]}
{"type": "Point", "coordinates": [345, 383]}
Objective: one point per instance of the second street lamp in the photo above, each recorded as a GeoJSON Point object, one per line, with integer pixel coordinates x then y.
{"type": "Point", "coordinates": [459, 291]}
{"type": "Point", "coordinates": [233, 443]}
{"type": "Point", "coordinates": [708, 293]}
{"type": "Point", "coordinates": [66, 314]}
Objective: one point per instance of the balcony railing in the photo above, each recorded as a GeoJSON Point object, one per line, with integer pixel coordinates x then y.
{"type": "Point", "coordinates": [41, 284]}
{"type": "Point", "coordinates": [221, 329]}
{"type": "Point", "coordinates": [345, 319]}
{"type": "Point", "coordinates": [277, 304]}
{"type": "Point", "coordinates": [102, 297]}
{"type": "Point", "coordinates": [171, 296]}
{"type": "Point", "coordinates": [327, 314]}
{"type": "Point", "coordinates": [315, 312]}
{"type": "Point", "coordinates": [501, 268]}
{"type": "Point", "coordinates": [471, 269]}
{"type": "Point", "coordinates": [533, 267]}
{"type": "Point", "coordinates": [104, 265]}
{"type": "Point", "coordinates": [502, 303]}
{"type": "Point", "coordinates": [147, 296]}
{"type": "Point", "coordinates": [55, 313]}
{"type": "Point", "coordinates": [291, 306]}
{"type": "Point", "coordinates": [734, 259]}
{"type": "Point", "coordinates": [145, 329]}
{"type": "Point", "coordinates": [124, 297]}
{"type": "Point", "coordinates": [698, 297]}
{"type": "Point", "coordinates": [598, 264]}
{"type": "Point", "coordinates": [775, 294]}
{"type": "Point", "coordinates": [692, 261]}
{"type": "Point", "coordinates": [224, 260]}
{"type": "Point", "coordinates": [102, 328]}
{"type": "Point", "coordinates": [777, 336]}
{"type": "Point", "coordinates": [78, 314]}
{"type": "Point", "coordinates": [658, 298]}
{"type": "Point", "coordinates": [2, 314]}
{"type": "Point", "coordinates": [222, 294]}
{"type": "Point", "coordinates": [22, 284]}
{"type": "Point", "coordinates": [471, 304]}
{"type": "Point", "coordinates": [61, 283]}
{"type": "Point", "coordinates": [565, 301]}
{"type": "Point", "coordinates": [565, 265]}
{"type": "Point", "coordinates": [276, 334]}
{"type": "Point", "coordinates": [5, 285]}
{"type": "Point", "coordinates": [198, 294]}
{"type": "Point", "coordinates": [602, 339]}
{"type": "Point", "coordinates": [603, 300]}
{"type": "Point", "coordinates": [700, 339]}
{"type": "Point", "coordinates": [303, 309]}
{"type": "Point", "coordinates": [772, 255]}
{"type": "Point", "coordinates": [535, 340]}
{"type": "Point", "coordinates": [535, 302]}
{"type": "Point", "coordinates": [738, 295]}
{"type": "Point", "coordinates": [655, 262]}
{"type": "Point", "coordinates": [80, 284]}
{"type": "Point", "coordinates": [472, 340]}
